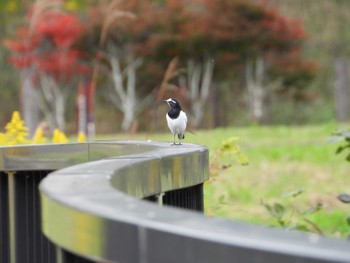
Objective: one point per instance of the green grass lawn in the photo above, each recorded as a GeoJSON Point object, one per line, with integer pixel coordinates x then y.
{"type": "Point", "coordinates": [283, 160]}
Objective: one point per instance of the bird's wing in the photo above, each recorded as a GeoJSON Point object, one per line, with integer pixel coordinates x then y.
{"type": "Point", "coordinates": [185, 117]}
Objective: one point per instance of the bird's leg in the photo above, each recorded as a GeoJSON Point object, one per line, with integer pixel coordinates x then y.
{"type": "Point", "coordinates": [174, 139]}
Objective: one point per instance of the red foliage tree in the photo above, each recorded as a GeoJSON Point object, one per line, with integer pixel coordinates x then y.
{"type": "Point", "coordinates": [234, 33]}
{"type": "Point", "coordinates": [44, 48]}
{"type": "Point", "coordinates": [117, 37]}
{"type": "Point", "coordinates": [48, 46]}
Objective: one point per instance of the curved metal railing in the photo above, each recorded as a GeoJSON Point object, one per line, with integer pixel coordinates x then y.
{"type": "Point", "coordinates": [92, 209]}
{"type": "Point", "coordinates": [97, 202]}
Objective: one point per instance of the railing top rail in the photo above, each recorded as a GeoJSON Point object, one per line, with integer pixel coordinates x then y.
{"type": "Point", "coordinates": [91, 210]}
{"type": "Point", "coordinates": [57, 156]}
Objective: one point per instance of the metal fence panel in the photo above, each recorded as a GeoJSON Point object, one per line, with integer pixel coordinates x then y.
{"type": "Point", "coordinates": [27, 243]}
{"type": "Point", "coordinates": [190, 198]}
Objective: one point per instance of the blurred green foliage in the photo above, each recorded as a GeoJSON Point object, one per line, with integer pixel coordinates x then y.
{"type": "Point", "coordinates": [343, 137]}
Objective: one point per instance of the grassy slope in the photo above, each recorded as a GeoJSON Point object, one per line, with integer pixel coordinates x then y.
{"type": "Point", "coordinates": [282, 160]}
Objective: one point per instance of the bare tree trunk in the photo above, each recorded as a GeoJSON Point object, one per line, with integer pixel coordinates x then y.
{"type": "Point", "coordinates": [52, 102]}
{"type": "Point", "coordinates": [215, 100]}
{"type": "Point", "coordinates": [200, 79]}
{"type": "Point", "coordinates": [341, 89]}
{"type": "Point", "coordinates": [125, 94]}
{"type": "Point", "coordinates": [254, 73]}
{"type": "Point", "coordinates": [82, 107]}
{"type": "Point", "coordinates": [29, 102]}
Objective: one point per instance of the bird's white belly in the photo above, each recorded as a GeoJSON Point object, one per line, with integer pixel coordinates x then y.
{"type": "Point", "coordinates": [177, 125]}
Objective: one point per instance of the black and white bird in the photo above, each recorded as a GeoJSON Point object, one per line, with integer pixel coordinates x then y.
{"type": "Point", "coordinates": [176, 119]}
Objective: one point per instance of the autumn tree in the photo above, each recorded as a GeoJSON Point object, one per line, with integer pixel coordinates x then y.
{"type": "Point", "coordinates": [259, 38]}
{"type": "Point", "coordinates": [128, 38]}
{"type": "Point", "coordinates": [42, 51]}
{"type": "Point", "coordinates": [117, 34]}
{"type": "Point", "coordinates": [227, 35]}
{"type": "Point", "coordinates": [180, 35]}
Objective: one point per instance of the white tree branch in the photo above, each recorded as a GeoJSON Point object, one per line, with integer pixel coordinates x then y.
{"type": "Point", "coordinates": [207, 79]}
{"type": "Point", "coordinates": [117, 77]}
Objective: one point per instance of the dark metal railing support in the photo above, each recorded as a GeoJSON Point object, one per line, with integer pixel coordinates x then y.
{"type": "Point", "coordinates": [21, 236]}
{"type": "Point", "coordinates": [12, 215]}
{"type": "Point", "coordinates": [4, 220]}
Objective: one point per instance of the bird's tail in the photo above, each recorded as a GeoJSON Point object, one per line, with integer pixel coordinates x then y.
{"type": "Point", "coordinates": [181, 136]}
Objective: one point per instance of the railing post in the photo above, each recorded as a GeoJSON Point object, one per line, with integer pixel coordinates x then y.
{"type": "Point", "coordinates": [12, 216]}
{"type": "Point", "coordinates": [59, 255]}
{"type": "Point", "coordinates": [4, 219]}
{"type": "Point", "coordinates": [160, 199]}
{"type": "Point", "coordinates": [63, 256]}
{"type": "Point", "coordinates": [26, 241]}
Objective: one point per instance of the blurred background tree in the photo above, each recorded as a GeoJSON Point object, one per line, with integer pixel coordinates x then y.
{"type": "Point", "coordinates": [43, 54]}
{"type": "Point", "coordinates": [229, 61]}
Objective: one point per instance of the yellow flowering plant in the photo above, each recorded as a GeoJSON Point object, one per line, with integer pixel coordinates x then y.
{"type": "Point", "coordinates": [59, 137]}
{"type": "Point", "coordinates": [17, 133]}
{"type": "Point", "coordinates": [223, 157]}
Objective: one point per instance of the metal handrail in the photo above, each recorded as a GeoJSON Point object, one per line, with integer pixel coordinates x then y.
{"type": "Point", "coordinates": [87, 192]}
{"type": "Point", "coordinates": [22, 167]}
{"type": "Point", "coordinates": [93, 210]}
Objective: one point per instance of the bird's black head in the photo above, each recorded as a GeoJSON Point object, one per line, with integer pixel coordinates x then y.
{"type": "Point", "coordinates": [173, 103]}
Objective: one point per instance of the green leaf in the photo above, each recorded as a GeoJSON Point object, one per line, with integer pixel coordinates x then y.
{"type": "Point", "coordinates": [348, 220]}
{"type": "Point", "coordinates": [294, 193]}
{"type": "Point", "coordinates": [279, 210]}
{"type": "Point", "coordinates": [313, 210]}
{"type": "Point", "coordinates": [230, 145]}
{"type": "Point", "coordinates": [345, 198]}
{"type": "Point", "coordinates": [269, 209]}
{"type": "Point", "coordinates": [348, 157]}
{"type": "Point", "coordinates": [346, 134]}
{"type": "Point", "coordinates": [302, 227]}
{"type": "Point", "coordinates": [335, 139]}
{"type": "Point", "coordinates": [281, 222]}
{"type": "Point", "coordinates": [242, 159]}
{"type": "Point", "coordinates": [339, 149]}
{"type": "Point", "coordinates": [222, 199]}
{"type": "Point", "coordinates": [342, 134]}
